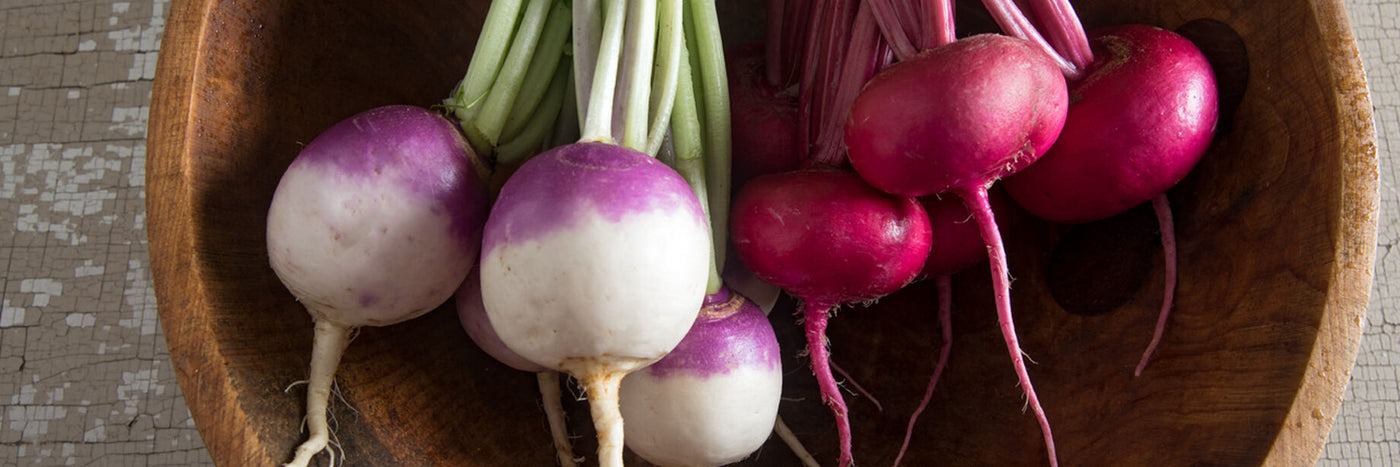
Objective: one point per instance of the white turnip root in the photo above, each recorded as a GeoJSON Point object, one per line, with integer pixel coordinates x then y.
{"type": "Point", "coordinates": [472, 314]}
{"type": "Point", "coordinates": [376, 221]}
{"type": "Point", "coordinates": [714, 399]}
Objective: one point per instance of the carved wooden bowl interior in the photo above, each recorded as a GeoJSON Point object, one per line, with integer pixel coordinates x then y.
{"type": "Point", "coordinates": [1276, 232]}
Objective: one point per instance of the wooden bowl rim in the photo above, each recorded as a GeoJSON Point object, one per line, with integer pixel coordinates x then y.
{"type": "Point", "coordinates": [202, 369]}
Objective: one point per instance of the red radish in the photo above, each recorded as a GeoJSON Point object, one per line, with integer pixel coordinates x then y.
{"type": "Point", "coordinates": [375, 222]}
{"type": "Point", "coordinates": [1157, 93]}
{"type": "Point", "coordinates": [713, 400]}
{"type": "Point", "coordinates": [472, 314]}
{"type": "Point", "coordinates": [828, 238]}
{"type": "Point", "coordinates": [956, 119]}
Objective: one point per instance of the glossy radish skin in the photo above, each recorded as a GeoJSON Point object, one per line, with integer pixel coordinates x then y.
{"type": "Point", "coordinates": [1137, 124]}
{"type": "Point", "coordinates": [593, 253]}
{"type": "Point", "coordinates": [827, 237]}
{"type": "Point", "coordinates": [713, 400]}
{"type": "Point", "coordinates": [958, 116]}
{"type": "Point", "coordinates": [376, 221]}
{"type": "Point", "coordinates": [763, 119]}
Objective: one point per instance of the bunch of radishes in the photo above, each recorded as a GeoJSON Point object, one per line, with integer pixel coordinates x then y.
{"type": "Point", "coordinates": [1081, 127]}
{"type": "Point", "coordinates": [600, 260]}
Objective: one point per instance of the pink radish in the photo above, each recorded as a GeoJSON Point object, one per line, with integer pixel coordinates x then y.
{"type": "Point", "coordinates": [957, 118]}
{"type": "Point", "coordinates": [828, 238]}
{"type": "Point", "coordinates": [1157, 92]}
{"type": "Point", "coordinates": [713, 400]}
{"type": "Point", "coordinates": [375, 222]}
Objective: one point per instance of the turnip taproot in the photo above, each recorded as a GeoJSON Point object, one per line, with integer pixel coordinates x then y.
{"type": "Point", "coordinates": [957, 118]}
{"type": "Point", "coordinates": [376, 221]}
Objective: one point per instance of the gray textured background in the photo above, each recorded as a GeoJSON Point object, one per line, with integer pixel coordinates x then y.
{"type": "Point", "coordinates": [85, 377]}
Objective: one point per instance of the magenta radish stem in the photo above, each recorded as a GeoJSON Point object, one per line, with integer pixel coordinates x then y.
{"type": "Point", "coordinates": [861, 61]}
{"type": "Point", "coordinates": [944, 284]}
{"type": "Point", "coordinates": [976, 199]}
{"type": "Point", "coordinates": [891, 29]}
{"type": "Point", "coordinates": [784, 433]}
{"type": "Point", "coordinates": [1164, 219]}
{"type": "Point", "coordinates": [941, 19]}
{"type": "Point", "coordinates": [1015, 23]}
{"type": "Point", "coordinates": [815, 321]}
{"type": "Point", "coordinates": [797, 21]}
{"type": "Point", "coordinates": [773, 43]}
{"type": "Point", "coordinates": [554, 412]}
{"type": "Point", "coordinates": [856, 385]}
{"type": "Point", "coordinates": [1065, 31]}
{"type": "Point", "coordinates": [328, 345]}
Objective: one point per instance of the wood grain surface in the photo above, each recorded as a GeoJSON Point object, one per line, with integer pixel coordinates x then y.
{"type": "Point", "coordinates": [83, 380]}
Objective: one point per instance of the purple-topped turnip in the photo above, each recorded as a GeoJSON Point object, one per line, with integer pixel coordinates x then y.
{"type": "Point", "coordinates": [376, 221]}
{"type": "Point", "coordinates": [714, 399]}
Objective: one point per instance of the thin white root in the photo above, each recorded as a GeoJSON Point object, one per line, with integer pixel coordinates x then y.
{"type": "Point", "coordinates": [329, 345]}
{"type": "Point", "coordinates": [554, 412]}
{"type": "Point", "coordinates": [602, 391]}
{"type": "Point", "coordinates": [793, 443]}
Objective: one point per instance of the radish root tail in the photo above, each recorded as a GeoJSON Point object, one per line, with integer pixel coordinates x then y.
{"type": "Point", "coordinates": [1164, 220]}
{"type": "Point", "coordinates": [944, 284]}
{"type": "Point", "coordinates": [981, 208]}
{"type": "Point", "coordinates": [815, 323]}
{"type": "Point", "coordinates": [327, 348]}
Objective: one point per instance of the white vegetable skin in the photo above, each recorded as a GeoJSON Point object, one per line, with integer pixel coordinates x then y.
{"type": "Point", "coordinates": [700, 421]}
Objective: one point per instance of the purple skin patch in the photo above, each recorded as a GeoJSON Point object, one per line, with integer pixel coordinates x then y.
{"type": "Point", "coordinates": [556, 189]}
{"type": "Point", "coordinates": [429, 156]}
{"type": "Point", "coordinates": [730, 334]}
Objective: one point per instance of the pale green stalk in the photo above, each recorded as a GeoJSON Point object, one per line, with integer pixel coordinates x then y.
{"type": "Point", "coordinates": [542, 66]}
{"type": "Point", "coordinates": [715, 94]}
{"type": "Point", "coordinates": [491, 46]}
{"type": "Point", "coordinates": [641, 31]}
{"type": "Point", "coordinates": [541, 121]}
{"type": "Point", "coordinates": [501, 97]}
{"type": "Point", "coordinates": [689, 140]}
{"type": "Point", "coordinates": [671, 32]}
{"type": "Point", "coordinates": [597, 124]}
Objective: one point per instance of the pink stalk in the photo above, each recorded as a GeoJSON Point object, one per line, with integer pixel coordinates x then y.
{"type": "Point", "coordinates": [1009, 17]}
{"type": "Point", "coordinates": [773, 43]}
{"type": "Point", "coordinates": [815, 320]}
{"type": "Point", "coordinates": [977, 202]}
{"type": "Point", "coordinates": [1164, 219]}
{"type": "Point", "coordinates": [796, 24]}
{"type": "Point", "coordinates": [939, 17]}
{"type": "Point", "coordinates": [1064, 30]}
{"type": "Point", "coordinates": [944, 284]}
{"type": "Point", "coordinates": [862, 61]}
{"type": "Point", "coordinates": [892, 28]}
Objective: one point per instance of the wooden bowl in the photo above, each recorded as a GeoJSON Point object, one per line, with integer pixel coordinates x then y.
{"type": "Point", "coordinates": [1277, 232]}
